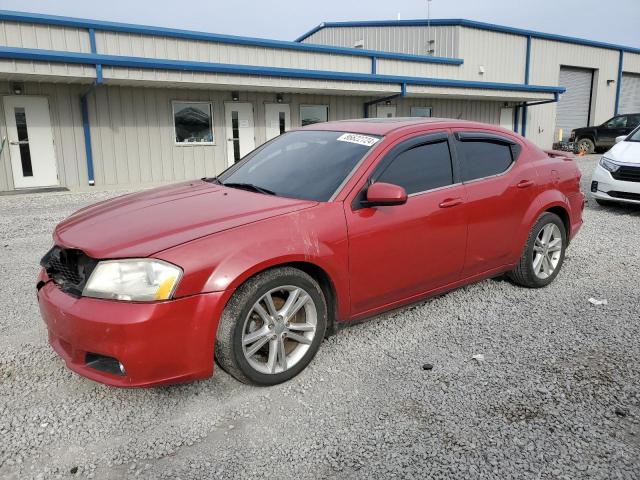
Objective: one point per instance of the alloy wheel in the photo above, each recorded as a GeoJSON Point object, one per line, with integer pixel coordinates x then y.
{"type": "Point", "coordinates": [547, 250]}
{"type": "Point", "coordinates": [279, 329]}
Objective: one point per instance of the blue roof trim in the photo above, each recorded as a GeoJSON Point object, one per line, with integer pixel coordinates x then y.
{"type": "Point", "coordinates": [470, 24]}
{"type": "Point", "coordinates": [214, 37]}
{"type": "Point", "coordinates": [180, 65]}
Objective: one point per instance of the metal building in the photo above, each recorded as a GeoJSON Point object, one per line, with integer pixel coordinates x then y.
{"type": "Point", "coordinates": [90, 102]}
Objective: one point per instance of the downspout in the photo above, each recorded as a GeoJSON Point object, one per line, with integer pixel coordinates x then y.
{"type": "Point", "coordinates": [556, 97]}
{"type": "Point", "coordinates": [86, 126]}
{"type": "Point", "coordinates": [527, 66]}
{"type": "Point", "coordinates": [403, 93]}
{"type": "Point", "coordinates": [619, 82]}
{"type": "Point", "coordinates": [87, 136]}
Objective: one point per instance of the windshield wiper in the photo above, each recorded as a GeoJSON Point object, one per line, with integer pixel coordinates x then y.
{"type": "Point", "coordinates": [211, 180]}
{"type": "Point", "coordinates": [249, 186]}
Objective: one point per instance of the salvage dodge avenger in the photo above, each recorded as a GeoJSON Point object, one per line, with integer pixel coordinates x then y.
{"type": "Point", "coordinates": [319, 227]}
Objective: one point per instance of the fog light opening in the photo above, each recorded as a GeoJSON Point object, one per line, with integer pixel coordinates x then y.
{"type": "Point", "coordinates": [594, 186]}
{"type": "Point", "coordinates": [105, 364]}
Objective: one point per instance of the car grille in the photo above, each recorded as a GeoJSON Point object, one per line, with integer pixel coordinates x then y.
{"type": "Point", "coordinates": [625, 195]}
{"type": "Point", "coordinates": [68, 268]}
{"type": "Point", "coordinates": [627, 174]}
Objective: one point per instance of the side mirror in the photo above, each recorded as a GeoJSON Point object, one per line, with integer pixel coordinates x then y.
{"type": "Point", "coordinates": [620, 138]}
{"type": "Point", "coordinates": [380, 194]}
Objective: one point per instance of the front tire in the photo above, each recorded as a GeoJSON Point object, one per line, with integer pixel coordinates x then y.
{"type": "Point", "coordinates": [586, 145]}
{"type": "Point", "coordinates": [272, 327]}
{"type": "Point", "coordinates": [543, 255]}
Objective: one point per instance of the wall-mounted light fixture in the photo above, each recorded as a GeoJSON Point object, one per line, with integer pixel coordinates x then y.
{"type": "Point", "coordinates": [279, 98]}
{"type": "Point", "coordinates": [610, 82]}
{"type": "Point", "coordinates": [388, 102]}
{"type": "Point", "coordinates": [481, 70]}
{"type": "Point", "coordinates": [17, 88]}
{"type": "Point", "coordinates": [235, 96]}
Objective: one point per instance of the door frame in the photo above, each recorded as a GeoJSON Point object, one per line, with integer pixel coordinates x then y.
{"type": "Point", "coordinates": [10, 170]}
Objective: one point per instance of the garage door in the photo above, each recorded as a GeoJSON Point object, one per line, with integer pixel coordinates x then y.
{"type": "Point", "coordinates": [573, 108]}
{"type": "Point", "coordinates": [630, 93]}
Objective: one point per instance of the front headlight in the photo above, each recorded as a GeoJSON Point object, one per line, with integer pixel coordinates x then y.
{"type": "Point", "coordinates": [609, 165]}
{"type": "Point", "coordinates": [136, 280]}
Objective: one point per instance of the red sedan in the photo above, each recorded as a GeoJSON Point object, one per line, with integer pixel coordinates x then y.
{"type": "Point", "coordinates": [319, 227]}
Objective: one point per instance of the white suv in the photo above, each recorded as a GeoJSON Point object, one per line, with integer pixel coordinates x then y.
{"type": "Point", "coordinates": [617, 175]}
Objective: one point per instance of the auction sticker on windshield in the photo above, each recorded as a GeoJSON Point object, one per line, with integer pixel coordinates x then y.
{"type": "Point", "coordinates": [359, 139]}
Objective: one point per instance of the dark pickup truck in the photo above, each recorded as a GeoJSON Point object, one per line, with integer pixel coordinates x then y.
{"type": "Point", "coordinates": [603, 136]}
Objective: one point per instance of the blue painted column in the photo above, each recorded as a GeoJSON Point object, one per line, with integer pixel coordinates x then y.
{"type": "Point", "coordinates": [527, 67]}
{"type": "Point", "coordinates": [94, 49]}
{"type": "Point", "coordinates": [619, 82]}
{"type": "Point", "coordinates": [87, 138]}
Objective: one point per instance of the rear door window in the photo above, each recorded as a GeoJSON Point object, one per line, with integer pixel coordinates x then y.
{"type": "Point", "coordinates": [420, 168]}
{"type": "Point", "coordinates": [481, 158]}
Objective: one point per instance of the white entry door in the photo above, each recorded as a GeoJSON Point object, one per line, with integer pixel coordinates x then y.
{"type": "Point", "coordinates": [506, 118]}
{"type": "Point", "coordinates": [277, 118]}
{"type": "Point", "coordinates": [386, 111]}
{"type": "Point", "coordinates": [240, 132]}
{"type": "Point", "coordinates": [30, 141]}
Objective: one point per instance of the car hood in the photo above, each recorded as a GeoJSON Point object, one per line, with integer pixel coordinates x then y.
{"type": "Point", "coordinates": [141, 224]}
{"type": "Point", "coordinates": [625, 152]}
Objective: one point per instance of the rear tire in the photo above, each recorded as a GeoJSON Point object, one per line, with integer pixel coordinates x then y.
{"type": "Point", "coordinates": [585, 144]}
{"type": "Point", "coordinates": [262, 339]}
{"type": "Point", "coordinates": [543, 253]}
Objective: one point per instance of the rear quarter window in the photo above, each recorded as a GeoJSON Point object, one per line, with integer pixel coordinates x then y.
{"type": "Point", "coordinates": [482, 158]}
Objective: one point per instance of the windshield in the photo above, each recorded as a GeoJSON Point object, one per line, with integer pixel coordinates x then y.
{"type": "Point", "coordinates": [634, 136]}
{"type": "Point", "coordinates": [305, 164]}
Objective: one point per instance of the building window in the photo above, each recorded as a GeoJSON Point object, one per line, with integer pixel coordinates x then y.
{"type": "Point", "coordinates": [193, 122]}
{"type": "Point", "coordinates": [420, 111]}
{"type": "Point", "coordinates": [310, 114]}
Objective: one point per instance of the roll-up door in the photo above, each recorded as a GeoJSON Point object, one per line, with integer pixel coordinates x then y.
{"type": "Point", "coordinates": [630, 93]}
{"type": "Point", "coordinates": [575, 104]}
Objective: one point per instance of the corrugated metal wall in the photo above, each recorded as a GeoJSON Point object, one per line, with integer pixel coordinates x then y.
{"type": "Point", "coordinates": [46, 37]}
{"type": "Point", "coordinates": [631, 62]}
{"type": "Point", "coordinates": [546, 59]}
{"type": "Point", "coordinates": [66, 121]}
{"type": "Point", "coordinates": [133, 138]}
{"type": "Point", "coordinates": [503, 56]}
{"type": "Point", "coordinates": [148, 46]}
{"type": "Point", "coordinates": [413, 40]}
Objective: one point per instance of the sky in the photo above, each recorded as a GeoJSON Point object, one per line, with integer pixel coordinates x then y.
{"type": "Point", "coordinates": [614, 21]}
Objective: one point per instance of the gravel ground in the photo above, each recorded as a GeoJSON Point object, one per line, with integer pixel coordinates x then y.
{"type": "Point", "coordinates": [556, 396]}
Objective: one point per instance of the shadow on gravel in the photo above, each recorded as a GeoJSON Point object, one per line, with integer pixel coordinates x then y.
{"type": "Point", "coordinates": [621, 209]}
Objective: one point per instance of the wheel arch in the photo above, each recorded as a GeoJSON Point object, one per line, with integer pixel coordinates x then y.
{"type": "Point", "coordinates": [317, 272]}
{"type": "Point", "coordinates": [563, 213]}
{"type": "Point", "coordinates": [548, 201]}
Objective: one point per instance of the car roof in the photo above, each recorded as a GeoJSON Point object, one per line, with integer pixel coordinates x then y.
{"type": "Point", "coordinates": [384, 126]}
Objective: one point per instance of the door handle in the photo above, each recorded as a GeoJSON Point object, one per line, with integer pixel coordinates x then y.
{"type": "Point", "coordinates": [524, 183]}
{"type": "Point", "coordinates": [19, 142]}
{"type": "Point", "coordinates": [450, 202]}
